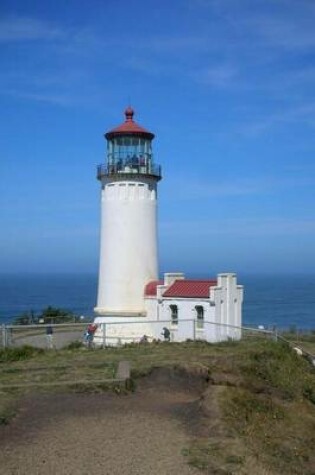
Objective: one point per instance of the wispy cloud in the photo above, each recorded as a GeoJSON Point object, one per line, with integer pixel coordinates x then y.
{"type": "Point", "coordinates": [23, 29]}
{"type": "Point", "coordinates": [201, 189]}
{"type": "Point", "coordinates": [148, 66]}
{"type": "Point", "coordinates": [235, 54]}
{"type": "Point", "coordinates": [49, 97]}
{"type": "Point", "coordinates": [247, 227]}
{"type": "Point", "coordinates": [176, 43]}
{"type": "Point", "coordinates": [283, 24]}
{"type": "Point", "coordinates": [286, 32]}
{"type": "Point", "coordinates": [220, 75]}
{"type": "Point", "coordinates": [304, 113]}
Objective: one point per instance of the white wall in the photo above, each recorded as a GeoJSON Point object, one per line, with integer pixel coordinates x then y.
{"type": "Point", "coordinates": [119, 330]}
{"type": "Point", "coordinates": [222, 311]}
{"type": "Point", "coordinates": [128, 250]}
{"type": "Point", "coordinates": [186, 316]}
{"type": "Point", "coordinates": [228, 298]}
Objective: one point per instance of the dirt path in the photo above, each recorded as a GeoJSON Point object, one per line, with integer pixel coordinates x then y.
{"type": "Point", "coordinates": [135, 434]}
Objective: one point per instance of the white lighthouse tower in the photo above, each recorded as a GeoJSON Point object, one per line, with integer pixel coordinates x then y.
{"type": "Point", "coordinates": [128, 248]}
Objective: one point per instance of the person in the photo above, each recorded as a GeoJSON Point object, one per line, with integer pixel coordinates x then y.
{"type": "Point", "coordinates": [144, 339]}
{"type": "Point", "coordinates": [166, 333]}
{"type": "Point", "coordinates": [135, 162]}
{"type": "Point", "coordinates": [49, 336]}
{"type": "Point", "coordinates": [141, 161]}
{"type": "Point", "coordinates": [119, 164]}
{"type": "Point", "coordinates": [91, 329]}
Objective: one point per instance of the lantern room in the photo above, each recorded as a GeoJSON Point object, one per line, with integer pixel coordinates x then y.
{"type": "Point", "coordinates": [129, 151]}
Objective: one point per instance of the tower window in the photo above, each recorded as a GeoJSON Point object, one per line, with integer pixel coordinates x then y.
{"type": "Point", "coordinates": [200, 316]}
{"type": "Point", "coordinates": [174, 315]}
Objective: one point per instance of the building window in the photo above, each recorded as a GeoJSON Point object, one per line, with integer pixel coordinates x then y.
{"type": "Point", "coordinates": [174, 315]}
{"type": "Point", "coordinates": [200, 316]}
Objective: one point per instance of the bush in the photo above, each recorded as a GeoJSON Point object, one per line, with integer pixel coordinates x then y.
{"type": "Point", "coordinates": [56, 315]}
{"type": "Point", "coordinates": [74, 345]}
{"type": "Point", "coordinates": [26, 318]}
{"type": "Point", "coordinates": [18, 354]}
{"type": "Point", "coordinates": [48, 315]}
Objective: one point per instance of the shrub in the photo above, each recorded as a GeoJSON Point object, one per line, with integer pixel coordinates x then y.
{"type": "Point", "coordinates": [75, 345]}
{"type": "Point", "coordinates": [17, 354]}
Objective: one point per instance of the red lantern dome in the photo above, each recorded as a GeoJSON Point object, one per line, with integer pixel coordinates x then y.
{"type": "Point", "coordinates": [129, 127]}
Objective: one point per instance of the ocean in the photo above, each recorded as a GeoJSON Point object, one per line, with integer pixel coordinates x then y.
{"type": "Point", "coordinates": [284, 301]}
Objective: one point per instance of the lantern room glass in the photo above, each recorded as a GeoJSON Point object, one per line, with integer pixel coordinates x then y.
{"type": "Point", "coordinates": [122, 148]}
{"type": "Point", "coordinates": [129, 154]}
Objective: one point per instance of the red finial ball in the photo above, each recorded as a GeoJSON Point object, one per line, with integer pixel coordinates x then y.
{"type": "Point", "coordinates": [129, 112]}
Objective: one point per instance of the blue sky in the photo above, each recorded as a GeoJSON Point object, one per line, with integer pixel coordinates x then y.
{"type": "Point", "coordinates": [227, 86]}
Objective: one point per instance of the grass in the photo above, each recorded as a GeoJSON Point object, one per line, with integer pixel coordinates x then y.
{"type": "Point", "coordinates": [280, 370]}
{"type": "Point", "coordinates": [7, 407]}
{"type": "Point", "coordinates": [30, 365]}
{"type": "Point", "coordinates": [260, 405]}
{"type": "Point", "coordinates": [304, 340]}
{"type": "Point", "coordinates": [273, 409]}
{"type": "Point", "coordinates": [19, 354]}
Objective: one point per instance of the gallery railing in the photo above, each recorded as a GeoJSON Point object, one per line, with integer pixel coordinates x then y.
{"type": "Point", "coordinates": [129, 166]}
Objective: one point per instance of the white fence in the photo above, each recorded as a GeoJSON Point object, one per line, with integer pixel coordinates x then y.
{"type": "Point", "coordinates": [134, 332]}
{"type": "Point", "coordinates": [116, 334]}
{"type": "Point", "coordinates": [36, 335]}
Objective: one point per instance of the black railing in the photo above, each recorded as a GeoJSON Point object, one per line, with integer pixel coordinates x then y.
{"type": "Point", "coordinates": [129, 166]}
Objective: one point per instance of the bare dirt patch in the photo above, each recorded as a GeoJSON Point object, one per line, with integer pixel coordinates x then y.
{"type": "Point", "coordinates": [144, 432]}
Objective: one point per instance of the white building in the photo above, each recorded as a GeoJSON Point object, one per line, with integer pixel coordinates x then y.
{"type": "Point", "coordinates": [196, 309]}
{"type": "Point", "coordinates": [131, 301]}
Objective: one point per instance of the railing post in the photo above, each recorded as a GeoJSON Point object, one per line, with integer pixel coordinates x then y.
{"type": "Point", "coordinates": [4, 336]}
{"type": "Point", "coordinates": [104, 335]}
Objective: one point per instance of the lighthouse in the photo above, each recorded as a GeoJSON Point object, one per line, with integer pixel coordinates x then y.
{"type": "Point", "coordinates": [128, 234]}
{"type": "Point", "coordinates": [133, 303]}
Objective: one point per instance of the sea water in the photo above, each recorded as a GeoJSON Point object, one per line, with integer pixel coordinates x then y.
{"type": "Point", "coordinates": [284, 301]}
{"type": "Point", "coordinates": [25, 293]}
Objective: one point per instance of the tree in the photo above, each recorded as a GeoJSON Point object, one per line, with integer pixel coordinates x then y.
{"type": "Point", "coordinates": [57, 315]}
{"type": "Point", "coordinates": [49, 314]}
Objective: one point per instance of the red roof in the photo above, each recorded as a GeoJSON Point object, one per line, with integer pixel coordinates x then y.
{"type": "Point", "coordinates": [129, 127]}
{"type": "Point", "coordinates": [190, 288]}
{"type": "Point", "coordinates": [150, 288]}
